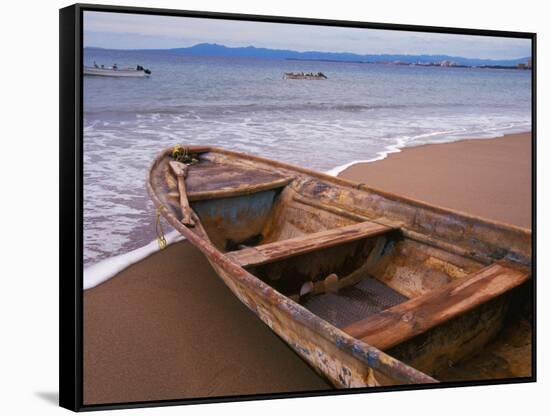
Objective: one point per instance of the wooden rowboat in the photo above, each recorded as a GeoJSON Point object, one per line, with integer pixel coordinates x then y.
{"type": "Point", "coordinates": [370, 288]}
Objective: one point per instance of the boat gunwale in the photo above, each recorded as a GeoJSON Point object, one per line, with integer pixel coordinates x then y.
{"type": "Point", "coordinates": [361, 186]}
{"type": "Point", "coordinates": [371, 356]}
{"type": "Point", "coordinates": [346, 183]}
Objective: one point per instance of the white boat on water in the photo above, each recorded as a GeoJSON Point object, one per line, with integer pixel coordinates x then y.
{"type": "Point", "coordinates": [115, 71]}
{"type": "Point", "coordinates": [301, 75]}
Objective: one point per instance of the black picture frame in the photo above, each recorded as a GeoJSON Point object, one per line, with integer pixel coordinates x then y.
{"type": "Point", "coordinates": [71, 201]}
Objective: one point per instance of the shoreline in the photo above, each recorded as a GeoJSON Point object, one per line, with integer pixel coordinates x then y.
{"type": "Point", "coordinates": [398, 148]}
{"type": "Point", "coordinates": [105, 269]}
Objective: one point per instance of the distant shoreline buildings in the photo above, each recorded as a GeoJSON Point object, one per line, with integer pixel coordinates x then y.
{"type": "Point", "coordinates": [525, 66]}
{"type": "Point", "coordinates": [441, 64]}
{"type": "Point", "coordinates": [453, 64]}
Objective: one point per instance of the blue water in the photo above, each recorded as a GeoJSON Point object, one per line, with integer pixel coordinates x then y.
{"type": "Point", "coordinates": [361, 112]}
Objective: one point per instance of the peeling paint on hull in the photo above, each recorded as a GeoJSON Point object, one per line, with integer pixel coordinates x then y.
{"type": "Point", "coordinates": [433, 247]}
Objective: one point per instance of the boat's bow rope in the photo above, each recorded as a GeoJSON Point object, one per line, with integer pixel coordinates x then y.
{"type": "Point", "coordinates": [182, 154]}
{"type": "Point", "coordinates": [160, 231]}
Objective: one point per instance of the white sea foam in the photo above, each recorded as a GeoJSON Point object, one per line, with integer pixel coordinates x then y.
{"type": "Point", "coordinates": [400, 143]}
{"type": "Point", "coordinates": [107, 268]}
{"type": "Point", "coordinates": [447, 136]}
{"type": "Point", "coordinates": [101, 184]}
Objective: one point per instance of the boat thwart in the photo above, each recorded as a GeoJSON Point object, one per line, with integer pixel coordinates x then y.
{"type": "Point", "coordinates": [369, 287]}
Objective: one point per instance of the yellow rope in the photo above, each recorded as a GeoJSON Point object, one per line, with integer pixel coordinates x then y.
{"type": "Point", "coordinates": [183, 154]}
{"type": "Point", "coordinates": [160, 231]}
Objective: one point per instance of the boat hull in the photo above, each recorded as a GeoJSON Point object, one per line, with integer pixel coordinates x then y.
{"type": "Point", "coordinates": [448, 239]}
{"type": "Point", "coordinates": [344, 361]}
{"type": "Point", "coordinates": [305, 77]}
{"type": "Point", "coordinates": [118, 73]}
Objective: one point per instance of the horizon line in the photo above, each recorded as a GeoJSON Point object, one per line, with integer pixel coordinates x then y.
{"type": "Point", "coordinates": [296, 51]}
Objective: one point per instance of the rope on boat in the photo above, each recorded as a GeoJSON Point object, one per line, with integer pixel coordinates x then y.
{"type": "Point", "coordinates": [160, 231]}
{"type": "Point", "coordinates": [183, 155]}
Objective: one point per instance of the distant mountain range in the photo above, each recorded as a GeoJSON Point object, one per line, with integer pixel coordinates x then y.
{"type": "Point", "coordinates": [212, 49]}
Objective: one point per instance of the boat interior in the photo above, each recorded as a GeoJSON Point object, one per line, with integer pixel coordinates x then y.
{"type": "Point", "coordinates": [453, 316]}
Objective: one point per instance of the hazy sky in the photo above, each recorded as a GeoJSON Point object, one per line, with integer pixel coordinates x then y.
{"type": "Point", "coordinates": [133, 31]}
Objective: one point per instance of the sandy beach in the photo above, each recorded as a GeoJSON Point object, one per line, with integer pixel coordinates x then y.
{"type": "Point", "coordinates": [167, 327]}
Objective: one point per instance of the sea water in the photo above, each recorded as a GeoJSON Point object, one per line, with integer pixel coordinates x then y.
{"type": "Point", "coordinates": [361, 112]}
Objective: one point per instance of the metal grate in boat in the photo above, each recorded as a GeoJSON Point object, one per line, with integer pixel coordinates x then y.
{"type": "Point", "coordinates": [353, 303]}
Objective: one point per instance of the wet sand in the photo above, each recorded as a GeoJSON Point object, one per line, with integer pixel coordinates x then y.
{"type": "Point", "coordinates": [167, 327]}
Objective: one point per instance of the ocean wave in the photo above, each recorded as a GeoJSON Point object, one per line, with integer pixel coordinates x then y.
{"type": "Point", "coordinates": [229, 109]}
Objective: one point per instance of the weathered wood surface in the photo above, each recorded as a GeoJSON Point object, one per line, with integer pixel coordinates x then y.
{"type": "Point", "coordinates": [422, 238]}
{"type": "Point", "coordinates": [482, 239]}
{"type": "Point", "coordinates": [305, 244]}
{"type": "Point", "coordinates": [194, 150]}
{"type": "Point", "coordinates": [212, 180]}
{"type": "Point", "coordinates": [453, 341]}
{"type": "Point", "coordinates": [180, 170]}
{"type": "Point", "coordinates": [402, 322]}
{"type": "Point", "coordinates": [509, 356]}
{"type": "Point", "coordinates": [345, 360]}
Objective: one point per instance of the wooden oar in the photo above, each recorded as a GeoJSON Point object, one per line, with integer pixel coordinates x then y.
{"type": "Point", "coordinates": [180, 170]}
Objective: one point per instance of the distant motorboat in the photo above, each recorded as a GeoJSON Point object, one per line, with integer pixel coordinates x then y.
{"type": "Point", "coordinates": [301, 75]}
{"type": "Point", "coordinates": [115, 71]}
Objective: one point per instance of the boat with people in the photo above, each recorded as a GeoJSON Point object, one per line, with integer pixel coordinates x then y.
{"type": "Point", "coordinates": [302, 75]}
{"type": "Point", "coordinates": [369, 287]}
{"type": "Point", "coordinates": [115, 71]}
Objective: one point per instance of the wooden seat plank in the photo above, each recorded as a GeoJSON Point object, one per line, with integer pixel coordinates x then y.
{"type": "Point", "coordinates": [307, 243]}
{"type": "Point", "coordinates": [406, 320]}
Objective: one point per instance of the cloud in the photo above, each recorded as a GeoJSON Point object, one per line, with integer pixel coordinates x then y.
{"type": "Point", "coordinates": [135, 31]}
